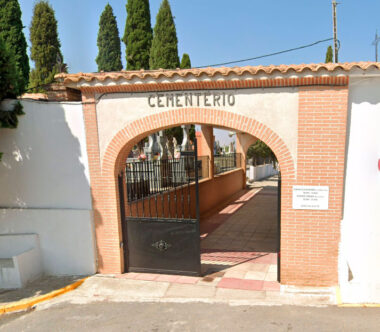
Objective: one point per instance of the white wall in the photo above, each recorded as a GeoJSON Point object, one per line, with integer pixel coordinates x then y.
{"type": "Point", "coordinates": [29, 265]}
{"type": "Point", "coordinates": [44, 181]}
{"type": "Point", "coordinates": [44, 162]}
{"type": "Point", "coordinates": [360, 230]}
{"type": "Point", "coordinates": [66, 237]}
{"type": "Point", "coordinates": [15, 244]}
{"type": "Point", "coordinates": [24, 251]}
{"type": "Point", "coordinates": [255, 173]}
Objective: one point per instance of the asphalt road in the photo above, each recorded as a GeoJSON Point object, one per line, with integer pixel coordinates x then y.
{"type": "Point", "coordinates": [111, 316]}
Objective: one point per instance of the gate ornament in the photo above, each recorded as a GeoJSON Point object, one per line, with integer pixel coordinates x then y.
{"type": "Point", "coordinates": [161, 245]}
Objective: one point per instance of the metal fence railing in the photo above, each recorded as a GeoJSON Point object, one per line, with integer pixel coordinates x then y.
{"type": "Point", "coordinates": [227, 162]}
{"type": "Point", "coordinates": [150, 177]}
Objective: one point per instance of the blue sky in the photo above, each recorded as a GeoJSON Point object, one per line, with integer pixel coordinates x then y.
{"type": "Point", "coordinates": [214, 31]}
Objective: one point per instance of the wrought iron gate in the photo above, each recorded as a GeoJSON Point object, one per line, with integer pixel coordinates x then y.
{"type": "Point", "coordinates": [161, 224]}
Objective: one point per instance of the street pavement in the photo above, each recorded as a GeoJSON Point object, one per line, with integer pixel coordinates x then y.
{"type": "Point", "coordinates": [113, 316]}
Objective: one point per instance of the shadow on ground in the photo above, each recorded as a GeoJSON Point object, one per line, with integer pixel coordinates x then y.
{"type": "Point", "coordinates": [36, 288]}
{"type": "Point", "coordinates": [243, 231]}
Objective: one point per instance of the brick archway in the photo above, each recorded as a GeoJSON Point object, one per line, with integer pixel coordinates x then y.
{"type": "Point", "coordinates": [110, 257]}
{"type": "Point", "coordinates": [309, 238]}
{"type": "Point", "coordinates": [120, 145]}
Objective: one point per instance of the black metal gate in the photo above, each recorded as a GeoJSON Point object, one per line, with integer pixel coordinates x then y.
{"type": "Point", "coordinates": [161, 224]}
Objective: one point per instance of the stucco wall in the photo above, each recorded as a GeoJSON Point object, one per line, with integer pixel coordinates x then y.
{"type": "Point", "coordinates": [66, 237]}
{"type": "Point", "coordinates": [44, 179]}
{"type": "Point", "coordinates": [255, 173]}
{"type": "Point", "coordinates": [277, 108]}
{"type": "Point", "coordinates": [360, 229]}
{"type": "Point", "coordinates": [214, 192]}
{"type": "Point", "coordinates": [44, 164]}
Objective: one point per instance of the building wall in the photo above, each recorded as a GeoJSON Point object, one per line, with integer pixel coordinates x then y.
{"type": "Point", "coordinates": [359, 271]}
{"type": "Point", "coordinates": [45, 185]}
{"type": "Point", "coordinates": [255, 173]}
{"type": "Point", "coordinates": [66, 237]}
{"type": "Point", "coordinates": [44, 164]}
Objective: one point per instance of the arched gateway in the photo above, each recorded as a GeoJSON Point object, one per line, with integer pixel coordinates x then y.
{"type": "Point", "coordinates": [299, 111]}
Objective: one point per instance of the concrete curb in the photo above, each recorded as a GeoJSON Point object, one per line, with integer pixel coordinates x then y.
{"type": "Point", "coordinates": [359, 305]}
{"type": "Point", "coordinates": [353, 305]}
{"type": "Point", "coordinates": [30, 302]}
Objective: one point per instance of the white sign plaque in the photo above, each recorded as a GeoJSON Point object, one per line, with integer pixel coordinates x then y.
{"type": "Point", "coordinates": [310, 197]}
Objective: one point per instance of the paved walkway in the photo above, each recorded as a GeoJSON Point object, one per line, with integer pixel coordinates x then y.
{"type": "Point", "coordinates": [241, 250]}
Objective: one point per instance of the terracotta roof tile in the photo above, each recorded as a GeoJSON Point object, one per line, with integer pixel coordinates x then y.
{"type": "Point", "coordinates": [211, 72]}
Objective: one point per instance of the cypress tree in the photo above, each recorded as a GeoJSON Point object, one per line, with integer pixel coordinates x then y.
{"type": "Point", "coordinates": [138, 34]}
{"type": "Point", "coordinates": [9, 85]}
{"type": "Point", "coordinates": [164, 51]}
{"type": "Point", "coordinates": [45, 50]}
{"type": "Point", "coordinates": [109, 56]}
{"type": "Point", "coordinates": [185, 62]}
{"type": "Point", "coordinates": [329, 55]}
{"type": "Point", "coordinates": [11, 31]}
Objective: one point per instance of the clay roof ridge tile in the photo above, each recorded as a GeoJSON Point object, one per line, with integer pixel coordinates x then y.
{"type": "Point", "coordinates": [366, 65]}
{"type": "Point", "coordinates": [132, 75]}
{"type": "Point", "coordinates": [210, 71]}
{"type": "Point", "coordinates": [242, 71]}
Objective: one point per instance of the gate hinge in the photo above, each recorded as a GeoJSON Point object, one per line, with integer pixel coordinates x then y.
{"type": "Point", "coordinates": [121, 244]}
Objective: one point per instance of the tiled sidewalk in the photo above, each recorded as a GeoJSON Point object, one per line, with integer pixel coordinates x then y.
{"type": "Point", "coordinates": [251, 275]}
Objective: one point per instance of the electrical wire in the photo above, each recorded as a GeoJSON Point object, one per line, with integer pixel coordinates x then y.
{"type": "Point", "coordinates": [268, 55]}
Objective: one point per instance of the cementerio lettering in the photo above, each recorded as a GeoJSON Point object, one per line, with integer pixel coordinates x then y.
{"type": "Point", "coordinates": [191, 99]}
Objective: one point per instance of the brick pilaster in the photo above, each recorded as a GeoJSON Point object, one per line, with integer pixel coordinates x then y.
{"type": "Point", "coordinates": [309, 245]}
{"type": "Point", "coordinates": [106, 232]}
